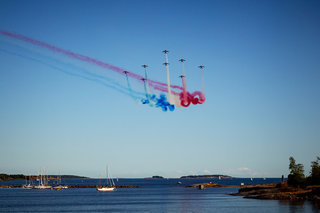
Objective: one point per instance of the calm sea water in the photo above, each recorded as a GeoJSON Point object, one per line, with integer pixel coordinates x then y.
{"type": "Point", "coordinates": [155, 195]}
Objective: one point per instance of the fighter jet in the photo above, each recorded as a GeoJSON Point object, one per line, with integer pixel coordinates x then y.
{"type": "Point", "coordinates": [125, 72]}
{"type": "Point", "coordinates": [143, 79]}
{"type": "Point", "coordinates": [165, 51]}
{"type": "Point", "coordinates": [166, 63]}
{"type": "Point", "coordinates": [144, 66]}
{"type": "Point", "coordinates": [182, 76]}
{"type": "Point", "coordinates": [201, 67]}
{"type": "Point", "coordinates": [182, 60]}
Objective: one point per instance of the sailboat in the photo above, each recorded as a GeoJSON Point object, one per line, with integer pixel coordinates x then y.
{"type": "Point", "coordinates": [28, 185]}
{"type": "Point", "coordinates": [60, 186]}
{"type": "Point", "coordinates": [108, 187]}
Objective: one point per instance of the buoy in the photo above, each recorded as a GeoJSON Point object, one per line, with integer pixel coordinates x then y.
{"type": "Point", "coordinates": [201, 186]}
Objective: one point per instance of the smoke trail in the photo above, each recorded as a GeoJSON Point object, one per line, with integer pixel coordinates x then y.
{"type": "Point", "coordinates": [93, 79]}
{"type": "Point", "coordinates": [83, 58]}
{"type": "Point", "coordinates": [174, 96]}
{"type": "Point", "coordinates": [129, 86]}
{"type": "Point", "coordinates": [147, 100]}
{"type": "Point", "coordinates": [164, 104]}
{"type": "Point", "coordinates": [160, 102]}
{"type": "Point", "coordinates": [185, 101]}
{"type": "Point", "coordinates": [146, 84]}
{"type": "Point", "coordinates": [196, 97]}
{"type": "Point", "coordinates": [168, 76]}
{"type": "Point", "coordinates": [84, 73]}
{"type": "Point", "coordinates": [203, 97]}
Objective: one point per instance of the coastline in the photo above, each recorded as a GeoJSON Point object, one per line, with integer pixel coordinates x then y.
{"type": "Point", "coordinates": [279, 191]}
{"type": "Point", "coordinates": [70, 186]}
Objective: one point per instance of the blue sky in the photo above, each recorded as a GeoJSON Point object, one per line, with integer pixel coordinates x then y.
{"type": "Point", "coordinates": [262, 82]}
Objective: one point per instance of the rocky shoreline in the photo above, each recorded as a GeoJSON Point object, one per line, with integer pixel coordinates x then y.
{"type": "Point", "coordinates": [209, 185]}
{"type": "Point", "coordinates": [206, 176]}
{"type": "Point", "coordinates": [279, 191]}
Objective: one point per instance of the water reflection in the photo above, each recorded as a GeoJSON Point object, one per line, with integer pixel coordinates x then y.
{"type": "Point", "coordinates": [300, 206]}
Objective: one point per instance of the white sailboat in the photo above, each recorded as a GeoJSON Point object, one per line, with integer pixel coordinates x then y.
{"type": "Point", "coordinates": [108, 187]}
{"type": "Point", "coordinates": [28, 185]}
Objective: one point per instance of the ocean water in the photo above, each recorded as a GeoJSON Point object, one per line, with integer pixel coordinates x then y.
{"type": "Point", "coordinates": [155, 195]}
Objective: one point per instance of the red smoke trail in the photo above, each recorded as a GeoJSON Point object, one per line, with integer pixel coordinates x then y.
{"type": "Point", "coordinates": [84, 58]}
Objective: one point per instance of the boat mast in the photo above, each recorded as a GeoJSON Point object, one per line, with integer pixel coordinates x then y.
{"type": "Point", "coordinates": [107, 173]}
{"type": "Point", "coordinates": [40, 176]}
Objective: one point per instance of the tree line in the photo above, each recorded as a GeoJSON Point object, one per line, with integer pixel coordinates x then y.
{"type": "Point", "coordinates": [10, 177]}
{"type": "Point", "coordinates": [297, 177]}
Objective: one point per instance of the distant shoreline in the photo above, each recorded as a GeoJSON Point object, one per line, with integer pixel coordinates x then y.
{"type": "Point", "coordinates": [70, 186]}
{"type": "Point", "coordinates": [207, 176]}
{"type": "Point", "coordinates": [6, 177]}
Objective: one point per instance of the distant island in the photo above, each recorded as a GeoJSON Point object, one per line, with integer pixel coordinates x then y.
{"type": "Point", "coordinates": [5, 177]}
{"type": "Point", "coordinates": [155, 177]}
{"type": "Point", "coordinates": [206, 176]}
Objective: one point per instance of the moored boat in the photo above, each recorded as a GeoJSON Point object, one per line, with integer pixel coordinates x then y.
{"type": "Point", "coordinates": [108, 187]}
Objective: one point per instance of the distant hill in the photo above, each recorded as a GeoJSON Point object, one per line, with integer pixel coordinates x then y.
{"type": "Point", "coordinates": [68, 176]}
{"type": "Point", "coordinates": [206, 176]}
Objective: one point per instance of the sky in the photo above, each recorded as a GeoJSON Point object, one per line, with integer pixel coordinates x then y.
{"type": "Point", "coordinates": [262, 84]}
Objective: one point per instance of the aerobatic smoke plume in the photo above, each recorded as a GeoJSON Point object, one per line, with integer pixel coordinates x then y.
{"type": "Point", "coordinates": [176, 95]}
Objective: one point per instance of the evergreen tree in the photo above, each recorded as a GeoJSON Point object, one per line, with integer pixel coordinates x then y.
{"type": "Point", "coordinates": [315, 172]}
{"type": "Point", "coordinates": [296, 176]}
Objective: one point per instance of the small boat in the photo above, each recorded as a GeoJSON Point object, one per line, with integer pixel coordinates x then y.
{"type": "Point", "coordinates": [57, 187]}
{"type": "Point", "coordinates": [60, 187]}
{"type": "Point", "coordinates": [105, 188]}
{"type": "Point", "coordinates": [108, 187]}
{"type": "Point", "coordinates": [42, 186]}
{"type": "Point", "coordinates": [28, 185]}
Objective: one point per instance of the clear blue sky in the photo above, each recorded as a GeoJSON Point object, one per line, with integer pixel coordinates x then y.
{"type": "Point", "coordinates": [262, 86]}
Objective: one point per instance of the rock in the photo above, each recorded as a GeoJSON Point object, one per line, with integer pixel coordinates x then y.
{"type": "Point", "coordinates": [279, 192]}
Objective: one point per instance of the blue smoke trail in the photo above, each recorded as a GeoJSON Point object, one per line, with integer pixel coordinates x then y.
{"type": "Point", "coordinates": [130, 89]}
{"type": "Point", "coordinates": [84, 71]}
{"type": "Point", "coordinates": [122, 89]}
{"type": "Point", "coordinates": [151, 100]}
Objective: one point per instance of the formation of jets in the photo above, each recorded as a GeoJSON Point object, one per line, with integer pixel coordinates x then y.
{"type": "Point", "coordinates": [166, 64]}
